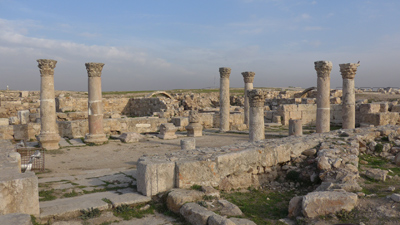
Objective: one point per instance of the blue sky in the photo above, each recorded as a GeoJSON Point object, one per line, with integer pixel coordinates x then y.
{"type": "Point", "coordinates": [180, 44]}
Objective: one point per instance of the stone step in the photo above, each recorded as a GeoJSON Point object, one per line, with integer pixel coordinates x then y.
{"type": "Point", "coordinates": [71, 207]}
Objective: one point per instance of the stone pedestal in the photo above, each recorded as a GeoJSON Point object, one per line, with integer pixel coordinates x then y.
{"type": "Point", "coordinates": [194, 129]}
{"type": "Point", "coordinates": [295, 128]}
{"type": "Point", "coordinates": [224, 101]}
{"type": "Point", "coordinates": [167, 131]}
{"type": "Point", "coordinates": [256, 120]}
{"type": "Point", "coordinates": [48, 137]}
{"type": "Point", "coordinates": [323, 69]}
{"type": "Point", "coordinates": [248, 78]}
{"type": "Point", "coordinates": [188, 144]}
{"type": "Point", "coordinates": [95, 105]}
{"type": "Point", "coordinates": [348, 72]}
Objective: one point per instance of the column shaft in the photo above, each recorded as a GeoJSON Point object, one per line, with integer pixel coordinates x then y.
{"type": "Point", "coordinates": [256, 119]}
{"type": "Point", "coordinates": [48, 136]}
{"type": "Point", "coordinates": [224, 98]}
{"type": "Point", "coordinates": [348, 72]}
{"type": "Point", "coordinates": [323, 69]}
{"type": "Point", "coordinates": [95, 105]}
{"type": "Point", "coordinates": [248, 78]}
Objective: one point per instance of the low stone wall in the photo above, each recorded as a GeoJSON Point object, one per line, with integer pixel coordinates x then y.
{"type": "Point", "coordinates": [79, 128]}
{"type": "Point", "coordinates": [18, 191]}
{"type": "Point", "coordinates": [247, 164]}
{"type": "Point", "coordinates": [307, 113]}
{"type": "Point", "coordinates": [236, 166]}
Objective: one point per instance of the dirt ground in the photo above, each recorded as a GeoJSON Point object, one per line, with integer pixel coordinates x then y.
{"type": "Point", "coordinates": [115, 154]}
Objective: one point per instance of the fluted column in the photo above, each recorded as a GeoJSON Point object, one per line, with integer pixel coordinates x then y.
{"type": "Point", "coordinates": [256, 116]}
{"type": "Point", "coordinates": [248, 78]}
{"type": "Point", "coordinates": [348, 72]}
{"type": "Point", "coordinates": [323, 69]}
{"type": "Point", "coordinates": [95, 105]}
{"type": "Point", "coordinates": [48, 137]}
{"type": "Point", "coordinates": [224, 101]}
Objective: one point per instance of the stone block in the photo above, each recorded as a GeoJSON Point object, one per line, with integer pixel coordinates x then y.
{"type": "Point", "coordinates": [327, 202]}
{"type": "Point", "coordinates": [295, 115]}
{"type": "Point", "coordinates": [154, 177]}
{"type": "Point", "coordinates": [21, 132]}
{"type": "Point", "coordinates": [180, 122]}
{"type": "Point", "coordinates": [13, 120]}
{"type": "Point", "coordinates": [205, 173]}
{"type": "Point", "coordinates": [194, 130]}
{"type": "Point", "coordinates": [219, 220]}
{"type": "Point", "coordinates": [178, 197]}
{"type": "Point", "coordinates": [379, 119]}
{"type": "Point", "coordinates": [167, 131]}
{"type": "Point", "coordinates": [19, 193]}
{"type": "Point", "coordinates": [23, 116]}
{"type": "Point", "coordinates": [4, 122]}
{"type": "Point", "coordinates": [195, 214]}
{"type": "Point", "coordinates": [396, 108]}
{"type": "Point", "coordinates": [369, 108]}
{"type": "Point", "coordinates": [295, 206]}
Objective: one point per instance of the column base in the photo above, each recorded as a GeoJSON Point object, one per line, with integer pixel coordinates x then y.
{"type": "Point", "coordinates": [194, 130]}
{"type": "Point", "coordinates": [95, 138]}
{"type": "Point", "coordinates": [49, 141]}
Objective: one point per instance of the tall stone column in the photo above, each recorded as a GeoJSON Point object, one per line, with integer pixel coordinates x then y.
{"type": "Point", "coordinates": [256, 116]}
{"type": "Point", "coordinates": [348, 72]}
{"type": "Point", "coordinates": [248, 78]}
{"type": "Point", "coordinates": [323, 69]}
{"type": "Point", "coordinates": [48, 137]}
{"type": "Point", "coordinates": [95, 105]}
{"type": "Point", "coordinates": [224, 101]}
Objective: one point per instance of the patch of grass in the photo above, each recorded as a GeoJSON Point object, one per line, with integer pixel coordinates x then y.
{"type": "Point", "coordinates": [71, 194]}
{"type": "Point", "coordinates": [106, 200]}
{"type": "Point", "coordinates": [379, 148]}
{"type": "Point", "coordinates": [195, 187]}
{"type": "Point", "coordinates": [34, 222]}
{"type": "Point", "coordinates": [208, 197]}
{"type": "Point", "coordinates": [90, 213]}
{"type": "Point", "coordinates": [128, 212]}
{"type": "Point", "coordinates": [261, 206]}
{"type": "Point", "coordinates": [349, 216]}
{"type": "Point", "coordinates": [335, 128]}
{"type": "Point", "coordinates": [374, 161]}
{"type": "Point", "coordinates": [46, 195]}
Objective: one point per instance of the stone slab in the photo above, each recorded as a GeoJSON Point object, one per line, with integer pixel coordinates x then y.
{"type": "Point", "coordinates": [77, 142]}
{"type": "Point", "coordinates": [68, 207]}
{"type": "Point", "coordinates": [16, 218]}
{"type": "Point", "coordinates": [63, 143]}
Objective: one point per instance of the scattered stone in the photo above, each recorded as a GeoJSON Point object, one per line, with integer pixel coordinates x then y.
{"type": "Point", "coordinates": [397, 159]}
{"type": "Point", "coordinates": [376, 174]}
{"type": "Point", "coordinates": [177, 197]}
{"type": "Point", "coordinates": [309, 152]}
{"type": "Point", "coordinates": [239, 221]}
{"type": "Point", "coordinates": [395, 197]}
{"type": "Point", "coordinates": [229, 209]}
{"type": "Point", "coordinates": [295, 206]}
{"type": "Point", "coordinates": [130, 137]}
{"type": "Point", "coordinates": [219, 220]}
{"type": "Point", "coordinates": [327, 202]}
{"type": "Point", "coordinates": [167, 131]}
{"type": "Point", "coordinates": [195, 214]}
{"type": "Point", "coordinates": [210, 191]}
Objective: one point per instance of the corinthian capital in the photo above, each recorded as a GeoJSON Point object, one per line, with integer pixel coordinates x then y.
{"type": "Point", "coordinates": [323, 68]}
{"type": "Point", "coordinates": [348, 70]}
{"type": "Point", "coordinates": [248, 77]}
{"type": "Point", "coordinates": [224, 72]}
{"type": "Point", "coordinates": [256, 97]}
{"type": "Point", "coordinates": [94, 69]}
{"type": "Point", "coordinates": [46, 66]}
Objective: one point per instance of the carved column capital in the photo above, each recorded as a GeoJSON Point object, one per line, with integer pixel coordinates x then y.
{"type": "Point", "coordinates": [323, 68]}
{"type": "Point", "coordinates": [94, 69]}
{"type": "Point", "coordinates": [46, 67]}
{"type": "Point", "coordinates": [348, 70]}
{"type": "Point", "coordinates": [248, 77]}
{"type": "Point", "coordinates": [256, 97]}
{"type": "Point", "coordinates": [224, 72]}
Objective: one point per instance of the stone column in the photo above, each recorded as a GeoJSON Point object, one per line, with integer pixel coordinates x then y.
{"type": "Point", "coordinates": [256, 117]}
{"type": "Point", "coordinates": [224, 101]}
{"type": "Point", "coordinates": [348, 72]}
{"type": "Point", "coordinates": [188, 144]}
{"type": "Point", "coordinates": [323, 69]}
{"type": "Point", "coordinates": [248, 78]}
{"type": "Point", "coordinates": [48, 137]}
{"type": "Point", "coordinates": [295, 127]}
{"type": "Point", "coordinates": [95, 105]}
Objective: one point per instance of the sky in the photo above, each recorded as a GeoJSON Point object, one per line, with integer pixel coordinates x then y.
{"type": "Point", "coordinates": [180, 44]}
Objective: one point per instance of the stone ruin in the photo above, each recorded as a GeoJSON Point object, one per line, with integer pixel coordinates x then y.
{"type": "Point", "coordinates": [253, 163]}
